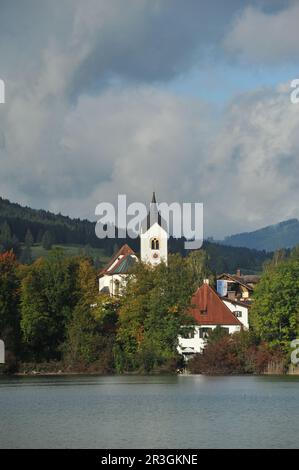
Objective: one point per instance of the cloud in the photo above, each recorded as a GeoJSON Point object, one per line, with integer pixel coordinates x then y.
{"type": "Point", "coordinates": [134, 140]}
{"type": "Point", "coordinates": [245, 169]}
{"type": "Point", "coordinates": [85, 45]}
{"type": "Point", "coordinates": [85, 119]}
{"type": "Point", "coordinates": [265, 37]}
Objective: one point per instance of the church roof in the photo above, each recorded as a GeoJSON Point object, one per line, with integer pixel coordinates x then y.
{"type": "Point", "coordinates": [153, 216]}
{"type": "Point", "coordinates": [118, 259]}
{"type": "Point", "coordinates": [124, 266]}
{"type": "Point", "coordinates": [207, 308]}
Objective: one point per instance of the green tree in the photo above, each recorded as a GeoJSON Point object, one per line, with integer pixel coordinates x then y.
{"type": "Point", "coordinates": [47, 240]}
{"type": "Point", "coordinates": [29, 239]}
{"type": "Point", "coordinates": [8, 241]}
{"type": "Point", "coordinates": [153, 310]}
{"type": "Point", "coordinates": [26, 255]}
{"type": "Point", "coordinates": [274, 315]}
{"type": "Point", "coordinates": [216, 334]}
{"type": "Point", "coordinates": [91, 330]}
{"type": "Point", "coordinates": [9, 303]}
{"type": "Point", "coordinates": [49, 294]}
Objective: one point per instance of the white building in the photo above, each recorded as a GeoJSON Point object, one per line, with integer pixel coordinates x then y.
{"type": "Point", "coordinates": [153, 237]}
{"type": "Point", "coordinates": [209, 311]}
{"type": "Point", "coordinates": [113, 278]}
{"type": "Point", "coordinates": [153, 250]}
{"type": "Point", "coordinates": [240, 310]}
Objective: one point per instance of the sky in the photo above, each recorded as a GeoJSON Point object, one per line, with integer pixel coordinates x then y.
{"type": "Point", "coordinates": [188, 98]}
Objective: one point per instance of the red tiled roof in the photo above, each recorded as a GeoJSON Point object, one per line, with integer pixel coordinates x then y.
{"type": "Point", "coordinates": [207, 308]}
{"type": "Point", "coordinates": [124, 251]}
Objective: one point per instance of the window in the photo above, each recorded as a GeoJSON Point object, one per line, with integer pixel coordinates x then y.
{"type": "Point", "coordinates": [204, 333]}
{"type": "Point", "coordinates": [116, 285]}
{"type": "Point", "coordinates": [238, 313]}
{"type": "Point", "coordinates": [155, 244]}
{"type": "Point", "coordinates": [187, 333]}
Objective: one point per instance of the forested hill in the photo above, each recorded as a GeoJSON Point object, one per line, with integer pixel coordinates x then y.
{"type": "Point", "coordinates": [63, 229]}
{"type": "Point", "coordinates": [273, 237]}
{"type": "Point", "coordinates": [227, 259]}
{"type": "Point", "coordinates": [18, 220]}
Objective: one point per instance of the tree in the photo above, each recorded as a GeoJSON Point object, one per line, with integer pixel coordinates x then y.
{"type": "Point", "coordinates": [49, 294]}
{"type": "Point", "coordinates": [274, 315]}
{"type": "Point", "coordinates": [26, 255]}
{"type": "Point", "coordinates": [9, 303]}
{"type": "Point", "coordinates": [8, 241]}
{"type": "Point", "coordinates": [153, 310]}
{"type": "Point", "coordinates": [92, 327]}
{"type": "Point", "coordinates": [47, 240]}
{"type": "Point", "coordinates": [28, 239]}
{"type": "Point", "coordinates": [216, 334]}
{"type": "Point", "coordinates": [238, 353]}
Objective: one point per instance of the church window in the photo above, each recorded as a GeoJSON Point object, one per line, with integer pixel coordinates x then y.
{"type": "Point", "coordinates": [116, 284]}
{"type": "Point", "coordinates": [155, 244]}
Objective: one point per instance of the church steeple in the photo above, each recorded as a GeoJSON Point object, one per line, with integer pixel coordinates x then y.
{"type": "Point", "coordinates": [153, 215]}
{"type": "Point", "coordinates": [153, 236]}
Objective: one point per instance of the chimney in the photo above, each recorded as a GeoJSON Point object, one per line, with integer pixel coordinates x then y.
{"type": "Point", "coordinates": [238, 272]}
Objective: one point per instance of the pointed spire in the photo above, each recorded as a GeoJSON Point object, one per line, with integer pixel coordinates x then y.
{"type": "Point", "coordinates": [154, 198]}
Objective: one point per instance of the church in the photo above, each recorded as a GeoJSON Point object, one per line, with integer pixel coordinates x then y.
{"type": "Point", "coordinates": [153, 250]}
{"type": "Point", "coordinates": [208, 308]}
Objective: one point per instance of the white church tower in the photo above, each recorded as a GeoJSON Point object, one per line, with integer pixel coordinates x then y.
{"type": "Point", "coordinates": [153, 237]}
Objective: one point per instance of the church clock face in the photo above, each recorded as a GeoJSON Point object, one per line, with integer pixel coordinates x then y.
{"type": "Point", "coordinates": [155, 255]}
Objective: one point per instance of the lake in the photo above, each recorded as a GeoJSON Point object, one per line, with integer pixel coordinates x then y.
{"type": "Point", "coordinates": [149, 412]}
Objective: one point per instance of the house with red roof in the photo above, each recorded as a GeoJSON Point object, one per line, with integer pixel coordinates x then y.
{"type": "Point", "coordinates": [209, 310]}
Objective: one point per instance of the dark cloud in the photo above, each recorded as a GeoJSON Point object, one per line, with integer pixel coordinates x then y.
{"type": "Point", "coordinates": [265, 36]}
{"type": "Point", "coordinates": [125, 133]}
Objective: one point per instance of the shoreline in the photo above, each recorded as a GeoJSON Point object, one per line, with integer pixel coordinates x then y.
{"type": "Point", "coordinates": [132, 374]}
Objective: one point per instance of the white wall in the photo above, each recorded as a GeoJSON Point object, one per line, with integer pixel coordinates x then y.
{"type": "Point", "coordinates": [196, 344]}
{"type": "Point", "coordinates": [109, 281]}
{"type": "Point", "coordinates": [241, 308]}
{"type": "Point", "coordinates": [146, 252]}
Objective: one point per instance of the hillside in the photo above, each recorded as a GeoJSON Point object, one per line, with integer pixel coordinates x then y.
{"type": "Point", "coordinates": [63, 229]}
{"type": "Point", "coordinates": [76, 236]}
{"type": "Point", "coordinates": [271, 238]}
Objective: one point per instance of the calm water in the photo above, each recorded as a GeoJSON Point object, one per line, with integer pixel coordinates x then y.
{"type": "Point", "coordinates": [145, 412]}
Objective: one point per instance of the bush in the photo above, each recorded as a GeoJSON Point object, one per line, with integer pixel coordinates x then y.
{"type": "Point", "coordinates": [235, 354]}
